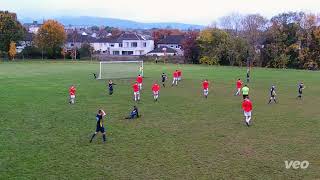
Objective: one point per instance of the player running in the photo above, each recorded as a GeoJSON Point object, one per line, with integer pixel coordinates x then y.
{"type": "Point", "coordinates": [239, 85]}
{"type": "Point", "coordinates": [72, 93]}
{"type": "Point", "coordinates": [205, 86]}
{"type": "Point", "coordinates": [155, 90]}
{"type": "Point", "coordinates": [163, 79]}
{"type": "Point", "coordinates": [247, 109]}
{"type": "Point", "coordinates": [300, 88]}
{"type": "Point", "coordinates": [245, 91]}
{"type": "Point", "coordinates": [273, 94]}
{"type": "Point", "coordinates": [136, 92]}
{"type": "Point", "coordinates": [175, 78]}
{"type": "Point", "coordinates": [100, 126]}
{"type": "Point", "coordinates": [139, 81]}
{"type": "Point", "coordinates": [110, 85]}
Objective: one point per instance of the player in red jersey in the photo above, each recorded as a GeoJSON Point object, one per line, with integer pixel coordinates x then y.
{"type": "Point", "coordinates": [205, 86]}
{"type": "Point", "coordinates": [139, 81]}
{"type": "Point", "coordinates": [247, 109]}
{"type": "Point", "coordinates": [136, 91]}
{"type": "Point", "coordinates": [72, 93]}
{"type": "Point", "coordinates": [155, 90]}
{"type": "Point", "coordinates": [179, 75]}
{"type": "Point", "coordinates": [239, 86]}
{"type": "Point", "coordinates": [175, 78]}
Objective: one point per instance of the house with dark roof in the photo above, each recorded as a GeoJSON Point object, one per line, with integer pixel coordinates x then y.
{"type": "Point", "coordinates": [173, 42]}
{"type": "Point", "coordinates": [124, 44]}
{"type": "Point", "coordinates": [163, 51]}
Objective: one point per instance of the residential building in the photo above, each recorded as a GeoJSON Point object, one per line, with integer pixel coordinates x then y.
{"type": "Point", "coordinates": [125, 44]}
{"type": "Point", "coordinates": [32, 27]}
{"type": "Point", "coordinates": [174, 42]}
{"type": "Point", "coordinates": [163, 51]}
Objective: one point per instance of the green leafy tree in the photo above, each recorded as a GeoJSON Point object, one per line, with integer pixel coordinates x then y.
{"type": "Point", "coordinates": [10, 30]}
{"type": "Point", "coordinates": [86, 50]}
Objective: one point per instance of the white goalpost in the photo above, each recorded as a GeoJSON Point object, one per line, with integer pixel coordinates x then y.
{"type": "Point", "coordinates": [120, 69]}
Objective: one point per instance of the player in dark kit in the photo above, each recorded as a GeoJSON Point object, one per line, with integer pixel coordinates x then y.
{"type": "Point", "coordinates": [273, 94]}
{"type": "Point", "coordinates": [134, 113]}
{"type": "Point", "coordinates": [110, 84]}
{"type": "Point", "coordinates": [300, 88]}
{"type": "Point", "coordinates": [163, 79]}
{"type": "Point", "coordinates": [100, 126]}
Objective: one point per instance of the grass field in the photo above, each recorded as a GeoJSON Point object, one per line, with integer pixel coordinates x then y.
{"type": "Point", "coordinates": [183, 136]}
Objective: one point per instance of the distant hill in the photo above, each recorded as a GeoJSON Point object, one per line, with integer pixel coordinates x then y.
{"type": "Point", "coordinates": [120, 23]}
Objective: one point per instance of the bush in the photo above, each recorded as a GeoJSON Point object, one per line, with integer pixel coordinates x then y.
{"type": "Point", "coordinates": [209, 60]}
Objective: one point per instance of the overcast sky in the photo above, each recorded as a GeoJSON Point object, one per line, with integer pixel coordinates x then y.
{"type": "Point", "coordinates": [187, 11]}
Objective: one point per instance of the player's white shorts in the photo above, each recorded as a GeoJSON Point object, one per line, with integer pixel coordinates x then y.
{"type": "Point", "coordinates": [239, 89]}
{"type": "Point", "coordinates": [72, 96]}
{"type": "Point", "coordinates": [139, 84]}
{"type": "Point", "coordinates": [246, 114]}
{"type": "Point", "coordinates": [155, 92]}
{"type": "Point", "coordinates": [136, 93]}
{"type": "Point", "coordinates": [206, 90]}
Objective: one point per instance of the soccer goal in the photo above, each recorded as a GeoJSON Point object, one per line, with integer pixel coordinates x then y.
{"type": "Point", "coordinates": [120, 69]}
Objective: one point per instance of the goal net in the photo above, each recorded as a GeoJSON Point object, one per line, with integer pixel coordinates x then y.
{"type": "Point", "coordinates": [120, 69]}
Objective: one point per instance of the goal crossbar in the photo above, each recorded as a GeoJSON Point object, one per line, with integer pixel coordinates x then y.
{"type": "Point", "coordinates": [117, 62]}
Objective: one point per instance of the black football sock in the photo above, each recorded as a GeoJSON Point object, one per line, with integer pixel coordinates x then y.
{"type": "Point", "coordinates": [104, 137]}
{"type": "Point", "coordinates": [92, 137]}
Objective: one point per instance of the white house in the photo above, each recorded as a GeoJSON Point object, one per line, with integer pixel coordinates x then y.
{"type": "Point", "coordinates": [32, 27]}
{"type": "Point", "coordinates": [125, 44]}
{"type": "Point", "coordinates": [130, 44]}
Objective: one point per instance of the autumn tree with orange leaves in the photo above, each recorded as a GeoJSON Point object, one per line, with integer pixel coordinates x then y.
{"type": "Point", "coordinates": [51, 37]}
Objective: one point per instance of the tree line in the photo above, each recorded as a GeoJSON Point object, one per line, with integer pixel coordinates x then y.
{"type": "Point", "coordinates": [287, 40]}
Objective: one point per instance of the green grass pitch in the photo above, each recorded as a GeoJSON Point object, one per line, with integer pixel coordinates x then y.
{"type": "Point", "coordinates": [183, 136]}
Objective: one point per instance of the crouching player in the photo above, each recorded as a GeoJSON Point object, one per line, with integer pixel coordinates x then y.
{"type": "Point", "coordinates": [247, 109]}
{"type": "Point", "coordinates": [72, 93]}
{"type": "Point", "coordinates": [205, 86]}
{"type": "Point", "coordinates": [155, 90]}
{"type": "Point", "coordinates": [136, 92]}
{"type": "Point", "coordinates": [134, 113]}
{"type": "Point", "coordinates": [100, 126]}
